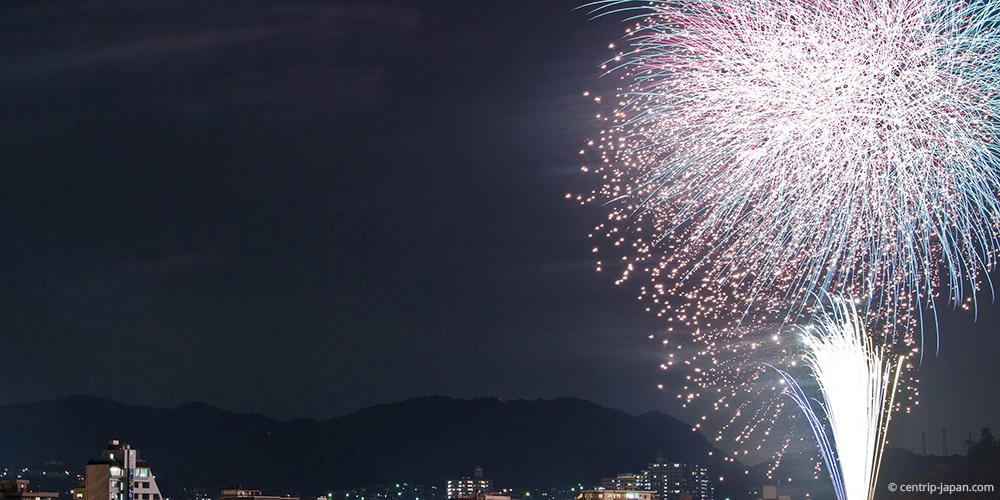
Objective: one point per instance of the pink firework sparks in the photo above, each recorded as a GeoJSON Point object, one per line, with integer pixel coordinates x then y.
{"type": "Point", "coordinates": [810, 146]}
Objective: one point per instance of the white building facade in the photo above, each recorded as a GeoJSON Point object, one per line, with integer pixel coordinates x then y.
{"type": "Point", "coordinates": [120, 475]}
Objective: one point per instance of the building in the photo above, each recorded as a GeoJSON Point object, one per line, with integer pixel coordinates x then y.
{"type": "Point", "coordinates": [603, 494]}
{"type": "Point", "coordinates": [666, 480]}
{"type": "Point", "coordinates": [241, 493]}
{"type": "Point", "coordinates": [80, 492]}
{"type": "Point", "coordinates": [119, 475]}
{"type": "Point", "coordinates": [17, 489]}
{"type": "Point", "coordinates": [627, 481]}
{"type": "Point", "coordinates": [670, 480]}
{"type": "Point", "coordinates": [770, 492]}
{"type": "Point", "coordinates": [468, 487]}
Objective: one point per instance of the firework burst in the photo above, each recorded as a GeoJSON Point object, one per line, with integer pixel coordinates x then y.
{"type": "Point", "coordinates": [762, 153]}
{"type": "Point", "coordinates": [808, 146]}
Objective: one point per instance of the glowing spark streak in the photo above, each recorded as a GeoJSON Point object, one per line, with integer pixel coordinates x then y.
{"type": "Point", "coordinates": [858, 380]}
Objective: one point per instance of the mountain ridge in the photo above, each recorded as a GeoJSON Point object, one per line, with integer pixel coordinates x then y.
{"type": "Point", "coordinates": [521, 443]}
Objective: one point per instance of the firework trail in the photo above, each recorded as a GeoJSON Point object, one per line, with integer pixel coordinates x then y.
{"type": "Point", "coordinates": [857, 379]}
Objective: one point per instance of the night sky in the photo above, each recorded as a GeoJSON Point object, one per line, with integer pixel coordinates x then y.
{"type": "Point", "coordinates": [302, 208]}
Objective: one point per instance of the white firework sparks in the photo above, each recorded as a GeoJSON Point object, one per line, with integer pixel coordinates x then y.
{"type": "Point", "coordinates": [810, 146]}
{"type": "Point", "coordinates": [764, 152]}
{"type": "Point", "coordinates": [857, 380]}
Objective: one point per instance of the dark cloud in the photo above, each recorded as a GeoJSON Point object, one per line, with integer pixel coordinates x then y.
{"type": "Point", "coordinates": [69, 36]}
